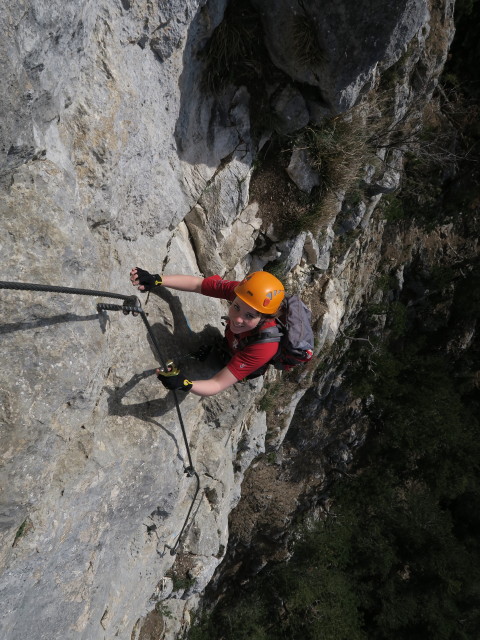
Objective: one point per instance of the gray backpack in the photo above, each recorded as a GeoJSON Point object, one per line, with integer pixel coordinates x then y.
{"type": "Point", "coordinates": [293, 331]}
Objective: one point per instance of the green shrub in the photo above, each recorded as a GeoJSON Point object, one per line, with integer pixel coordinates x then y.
{"type": "Point", "coordinates": [398, 319]}
{"type": "Point", "coordinates": [392, 208]}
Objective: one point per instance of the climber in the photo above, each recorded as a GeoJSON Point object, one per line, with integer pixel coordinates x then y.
{"type": "Point", "coordinates": [255, 301]}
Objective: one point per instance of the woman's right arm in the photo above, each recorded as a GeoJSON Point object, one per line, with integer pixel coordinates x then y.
{"type": "Point", "coordinates": [183, 283]}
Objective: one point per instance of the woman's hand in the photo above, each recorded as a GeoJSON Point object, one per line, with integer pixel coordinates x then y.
{"type": "Point", "coordinates": [173, 379]}
{"type": "Point", "coordinates": [144, 280]}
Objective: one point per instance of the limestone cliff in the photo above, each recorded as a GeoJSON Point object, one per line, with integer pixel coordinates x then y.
{"type": "Point", "coordinates": [114, 153]}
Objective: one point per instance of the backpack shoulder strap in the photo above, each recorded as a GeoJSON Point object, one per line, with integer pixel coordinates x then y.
{"type": "Point", "coordinates": [271, 334]}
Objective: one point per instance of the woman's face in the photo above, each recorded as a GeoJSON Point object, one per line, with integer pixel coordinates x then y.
{"type": "Point", "coordinates": [242, 317]}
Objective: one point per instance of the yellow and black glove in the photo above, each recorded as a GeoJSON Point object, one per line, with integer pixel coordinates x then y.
{"type": "Point", "coordinates": [173, 379]}
{"type": "Point", "coordinates": [148, 280]}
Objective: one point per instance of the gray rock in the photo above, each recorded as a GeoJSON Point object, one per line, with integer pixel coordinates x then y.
{"type": "Point", "coordinates": [388, 183]}
{"type": "Point", "coordinates": [92, 452]}
{"type": "Point", "coordinates": [371, 206]}
{"type": "Point", "coordinates": [291, 251]}
{"type": "Point", "coordinates": [355, 215]}
{"type": "Point", "coordinates": [389, 180]}
{"type": "Point", "coordinates": [318, 254]}
{"type": "Point", "coordinates": [336, 46]}
{"type": "Point", "coordinates": [301, 172]}
{"type": "Point", "coordinates": [291, 111]}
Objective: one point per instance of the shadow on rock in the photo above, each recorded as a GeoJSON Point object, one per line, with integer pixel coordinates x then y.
{"type": "Point", "coordinates": [147, 410]}
{"type": "Point", "coordinates": [182, 346]}
{"type": "Point", "coordinates": [52, 321]}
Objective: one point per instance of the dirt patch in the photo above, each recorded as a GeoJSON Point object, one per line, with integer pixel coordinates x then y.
{"type": "Point", "coordinates": [153, 627]}
{"type": "Point", "coordinates": [180, 573]}
{"type": "Point", "coordinates": [268, 503]}
{"type": "Point", "coordinates": [280, 201]}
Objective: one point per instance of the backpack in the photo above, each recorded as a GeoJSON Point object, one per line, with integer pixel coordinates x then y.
{"type": "Point", "coordinates": [293, 331]}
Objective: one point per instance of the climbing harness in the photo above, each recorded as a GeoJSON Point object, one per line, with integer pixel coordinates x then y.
{"type": "Point", "coordinates": [131, 304]}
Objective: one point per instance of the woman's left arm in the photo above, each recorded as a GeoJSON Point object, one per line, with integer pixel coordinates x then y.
{"type": "Point", "coordinates": [220, 381]}
{"type": "Point", "coordinates": [176, 380]}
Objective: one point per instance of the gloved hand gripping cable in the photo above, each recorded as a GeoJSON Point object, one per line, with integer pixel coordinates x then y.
{"type": "Point", "coordinates": [172, 378]}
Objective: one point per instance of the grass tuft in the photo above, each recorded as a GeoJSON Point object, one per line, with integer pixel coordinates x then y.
{"type": "Point", "coordinates": [308, 51]}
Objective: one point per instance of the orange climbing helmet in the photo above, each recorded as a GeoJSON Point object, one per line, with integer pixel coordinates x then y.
{"type": "Point", "coordinates": [262, 291]}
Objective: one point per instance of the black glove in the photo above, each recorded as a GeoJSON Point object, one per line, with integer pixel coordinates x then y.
{"type": "Point", "coordinates": [148, 280]}
{"type": "Point", "coordinates": [173, 379]}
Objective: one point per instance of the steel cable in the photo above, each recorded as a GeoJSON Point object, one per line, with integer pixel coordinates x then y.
{"type": "Point", "coordinates": [26, 286]}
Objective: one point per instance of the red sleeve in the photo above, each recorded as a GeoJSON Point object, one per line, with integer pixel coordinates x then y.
{"type": "Point", "coordinates": [215, 287]}
{"type": "Point", "coordinates": [248, 360]}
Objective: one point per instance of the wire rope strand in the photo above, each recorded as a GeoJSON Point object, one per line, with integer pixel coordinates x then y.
{"type": "Point", "coordinates": [175, 395]}
{"type": "Point", "coordinates": [173, 549]}
{"type": "Point", "coordinates": [26, 286]}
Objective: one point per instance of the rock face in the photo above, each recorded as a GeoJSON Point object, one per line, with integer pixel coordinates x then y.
{"type": "Point", "coordinates": [113, 156]}
{"type": "Point", "coordinates": [338, 47]}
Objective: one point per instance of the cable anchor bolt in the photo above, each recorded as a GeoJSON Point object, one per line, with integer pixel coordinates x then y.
{"type": "Point", "coordinates": [129, 303]}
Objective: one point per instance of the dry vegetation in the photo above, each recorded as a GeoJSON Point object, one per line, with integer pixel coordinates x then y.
{"type": "Point", "coordinates": [281, 202]}
{"type": "Point", "coordinates": [339, 150]}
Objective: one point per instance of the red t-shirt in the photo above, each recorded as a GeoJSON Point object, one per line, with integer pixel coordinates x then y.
{"type": "Point", "coordinates": [252, 357]}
